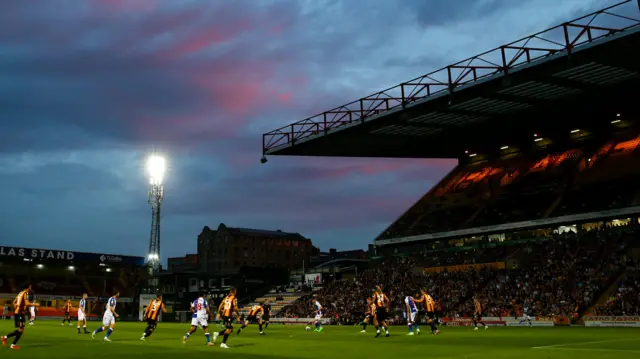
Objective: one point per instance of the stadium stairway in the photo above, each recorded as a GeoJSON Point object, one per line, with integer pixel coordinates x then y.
{"type": "Point", "coordinates": [553, 205]}
{"type": "Point", "coordinates": [87, 287]}
{"type": "Point", "coordinates": [604, 296]}
{"type": "Point", "coordinates": [611, 286]}
{"type": "Point", "coordinates": [276, 306]}
{"type": "Point", "coordinates": [473, 217]}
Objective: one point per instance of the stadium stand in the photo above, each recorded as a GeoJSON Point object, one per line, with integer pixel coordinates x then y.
{"type": "Point", "coordinates": [560, 274]}
{"type": "Point", "coordinates": [542, 209]}
{"type": "Point", "coordinates": [526, 188]}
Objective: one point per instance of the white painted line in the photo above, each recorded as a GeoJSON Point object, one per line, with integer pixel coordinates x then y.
{"type": "Point", "coordinates": [583, 343]}
{"type": "Point", "coordinates": [595, 350]}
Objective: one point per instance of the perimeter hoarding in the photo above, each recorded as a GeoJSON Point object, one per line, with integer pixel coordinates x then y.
{"type": "Point", "coordinates": [38, 254]}
{"type": "Point", "coordinates": [500, 322]}
{"type": "Point", "coordinates": [612, 321]}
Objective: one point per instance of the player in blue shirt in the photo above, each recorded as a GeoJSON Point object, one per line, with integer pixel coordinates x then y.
{"type": "Point", "coordinates": [82, 314]}
{"type": "Point", "coordinates": [412, 313]}
{"type": "Point", "coordinates": [109, 318]}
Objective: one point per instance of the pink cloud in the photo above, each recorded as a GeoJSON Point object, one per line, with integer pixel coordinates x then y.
{"type": "Point", "coordinates": [125, 6]}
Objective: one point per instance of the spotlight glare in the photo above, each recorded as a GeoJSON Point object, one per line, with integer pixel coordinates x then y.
{"type": "Point", "coordinates": [615, 121]}
{"type": "Point", "coordinates": [575, 131]}
{"type": "Point", "coordinates": [538, 139]}
{"type": "Point", "coordinates": [504, 147]}
{"type": "Point", "coordinates": [156, 167]}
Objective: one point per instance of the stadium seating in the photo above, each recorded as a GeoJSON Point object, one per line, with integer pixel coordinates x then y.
{"type": "Point", "coordinates": [526, 188]}
{"type": "Point", "coordinates": [561, 274]}
{"type": "Point", "coordinates": [278, 301]}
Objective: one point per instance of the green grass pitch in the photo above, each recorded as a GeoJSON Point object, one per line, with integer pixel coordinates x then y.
{"type": "Point", "coordinates": [48, 339]}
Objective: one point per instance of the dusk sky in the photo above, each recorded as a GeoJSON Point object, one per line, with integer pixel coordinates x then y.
{"type": "Point", "coordinates": [89, 87]}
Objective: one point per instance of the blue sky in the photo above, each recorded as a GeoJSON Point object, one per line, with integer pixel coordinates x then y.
{"type": "Point", "coordinates": [89, 87]}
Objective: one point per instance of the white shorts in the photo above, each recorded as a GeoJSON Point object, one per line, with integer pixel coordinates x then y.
{"type": "Point", "coordinates": [318, 317]}
{"type": "Point", "coordinates": [32, 310]}
{"type": "Point", "coordinates": [81, 316]}
{"type": "Point", "coordinates": [199, 322]}
{"type": "Point", "coordinates": [412, 316]}
{"type": "Point", "coordinates": [108, 319]}
{"type": "Point", "coordinates": [526, 317]}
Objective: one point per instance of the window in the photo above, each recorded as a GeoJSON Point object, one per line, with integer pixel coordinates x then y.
{"type": "Point", "coordinates": [193, 282]}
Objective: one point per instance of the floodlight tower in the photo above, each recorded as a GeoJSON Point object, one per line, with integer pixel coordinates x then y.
{"type": "Point", "coordinates": [156, 168]}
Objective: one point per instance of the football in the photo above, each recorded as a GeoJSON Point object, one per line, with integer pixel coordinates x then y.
{"type": "Point", "coordinates": [308, 328]}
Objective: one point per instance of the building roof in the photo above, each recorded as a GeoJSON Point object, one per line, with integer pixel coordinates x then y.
{"type": "Point", "coordinates": [262, 232]}
{"type": "Point", "coordinates": [570, 76]}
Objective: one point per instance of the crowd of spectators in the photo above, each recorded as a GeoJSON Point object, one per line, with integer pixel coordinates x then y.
{"type": "Point", "coordinates": [625, 298]}
{"type": "Point", "coordinates": [563, 275]}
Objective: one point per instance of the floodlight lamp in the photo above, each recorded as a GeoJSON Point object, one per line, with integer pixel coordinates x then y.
{"type": "Point", "coordinates": [156, 167]}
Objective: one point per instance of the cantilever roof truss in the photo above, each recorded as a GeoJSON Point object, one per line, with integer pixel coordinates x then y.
{"type": "Point", "coordinates": [508, 81]}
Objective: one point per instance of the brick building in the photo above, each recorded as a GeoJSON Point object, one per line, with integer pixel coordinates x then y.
{"type": "Point", "coordinates": [226, 250]}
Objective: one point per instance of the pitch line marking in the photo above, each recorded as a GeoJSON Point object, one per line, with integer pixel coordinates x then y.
{"type": "Point", "coordinates": [582, 343]}
{"type": "Point", "coordinates": [595, 350]}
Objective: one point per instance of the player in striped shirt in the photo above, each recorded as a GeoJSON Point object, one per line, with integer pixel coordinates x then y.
{"type": "Point", "coordinates": [152, 315]}
{"type": "Point", "coordinates": [20, 304]}
{"type": "Point", "coordinates": [82, 314]}
{"type": "Point", "coordinates": [430, 307]}
{"type": "Point", "coordinates": [255, 316]}
{"type": "Point", "coordinates": [67, 312]}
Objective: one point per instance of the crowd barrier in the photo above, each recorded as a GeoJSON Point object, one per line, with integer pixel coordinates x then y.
{"type": "Point", "coordinates": [611, 321]}
{"type": "Point", "coordinates": [55, 313]}
{"type": "Point", "coordinates": [465, 267]}
{"type": "Point", "coordinates": [324, 321]}
{"type": "Point", "coordinates": [508, 322]}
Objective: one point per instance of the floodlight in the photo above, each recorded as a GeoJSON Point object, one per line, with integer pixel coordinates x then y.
{"type": "Point", "coordinates": [156, 167]}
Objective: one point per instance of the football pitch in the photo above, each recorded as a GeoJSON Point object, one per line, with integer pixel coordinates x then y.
{"type": "Point", "coordinates": [48, 339]}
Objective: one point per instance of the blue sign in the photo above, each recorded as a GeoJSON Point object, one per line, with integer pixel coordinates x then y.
{"type": "Point", "coordinates": [69, 256]}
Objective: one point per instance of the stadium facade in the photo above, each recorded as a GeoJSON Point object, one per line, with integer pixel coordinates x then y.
{"type": "Point", "coordinates": [58, 275]}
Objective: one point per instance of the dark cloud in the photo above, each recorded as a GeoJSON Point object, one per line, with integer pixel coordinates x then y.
{"type": "Point", "coordinates": [97, 84]}
{"type": "Point", "coordinates": [59, 180]}
{"type": "Point", "coordinates": [438, 13]}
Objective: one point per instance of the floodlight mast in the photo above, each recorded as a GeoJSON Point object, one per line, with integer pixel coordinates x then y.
{"type": "Point", "coordinates": [156, 169]}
